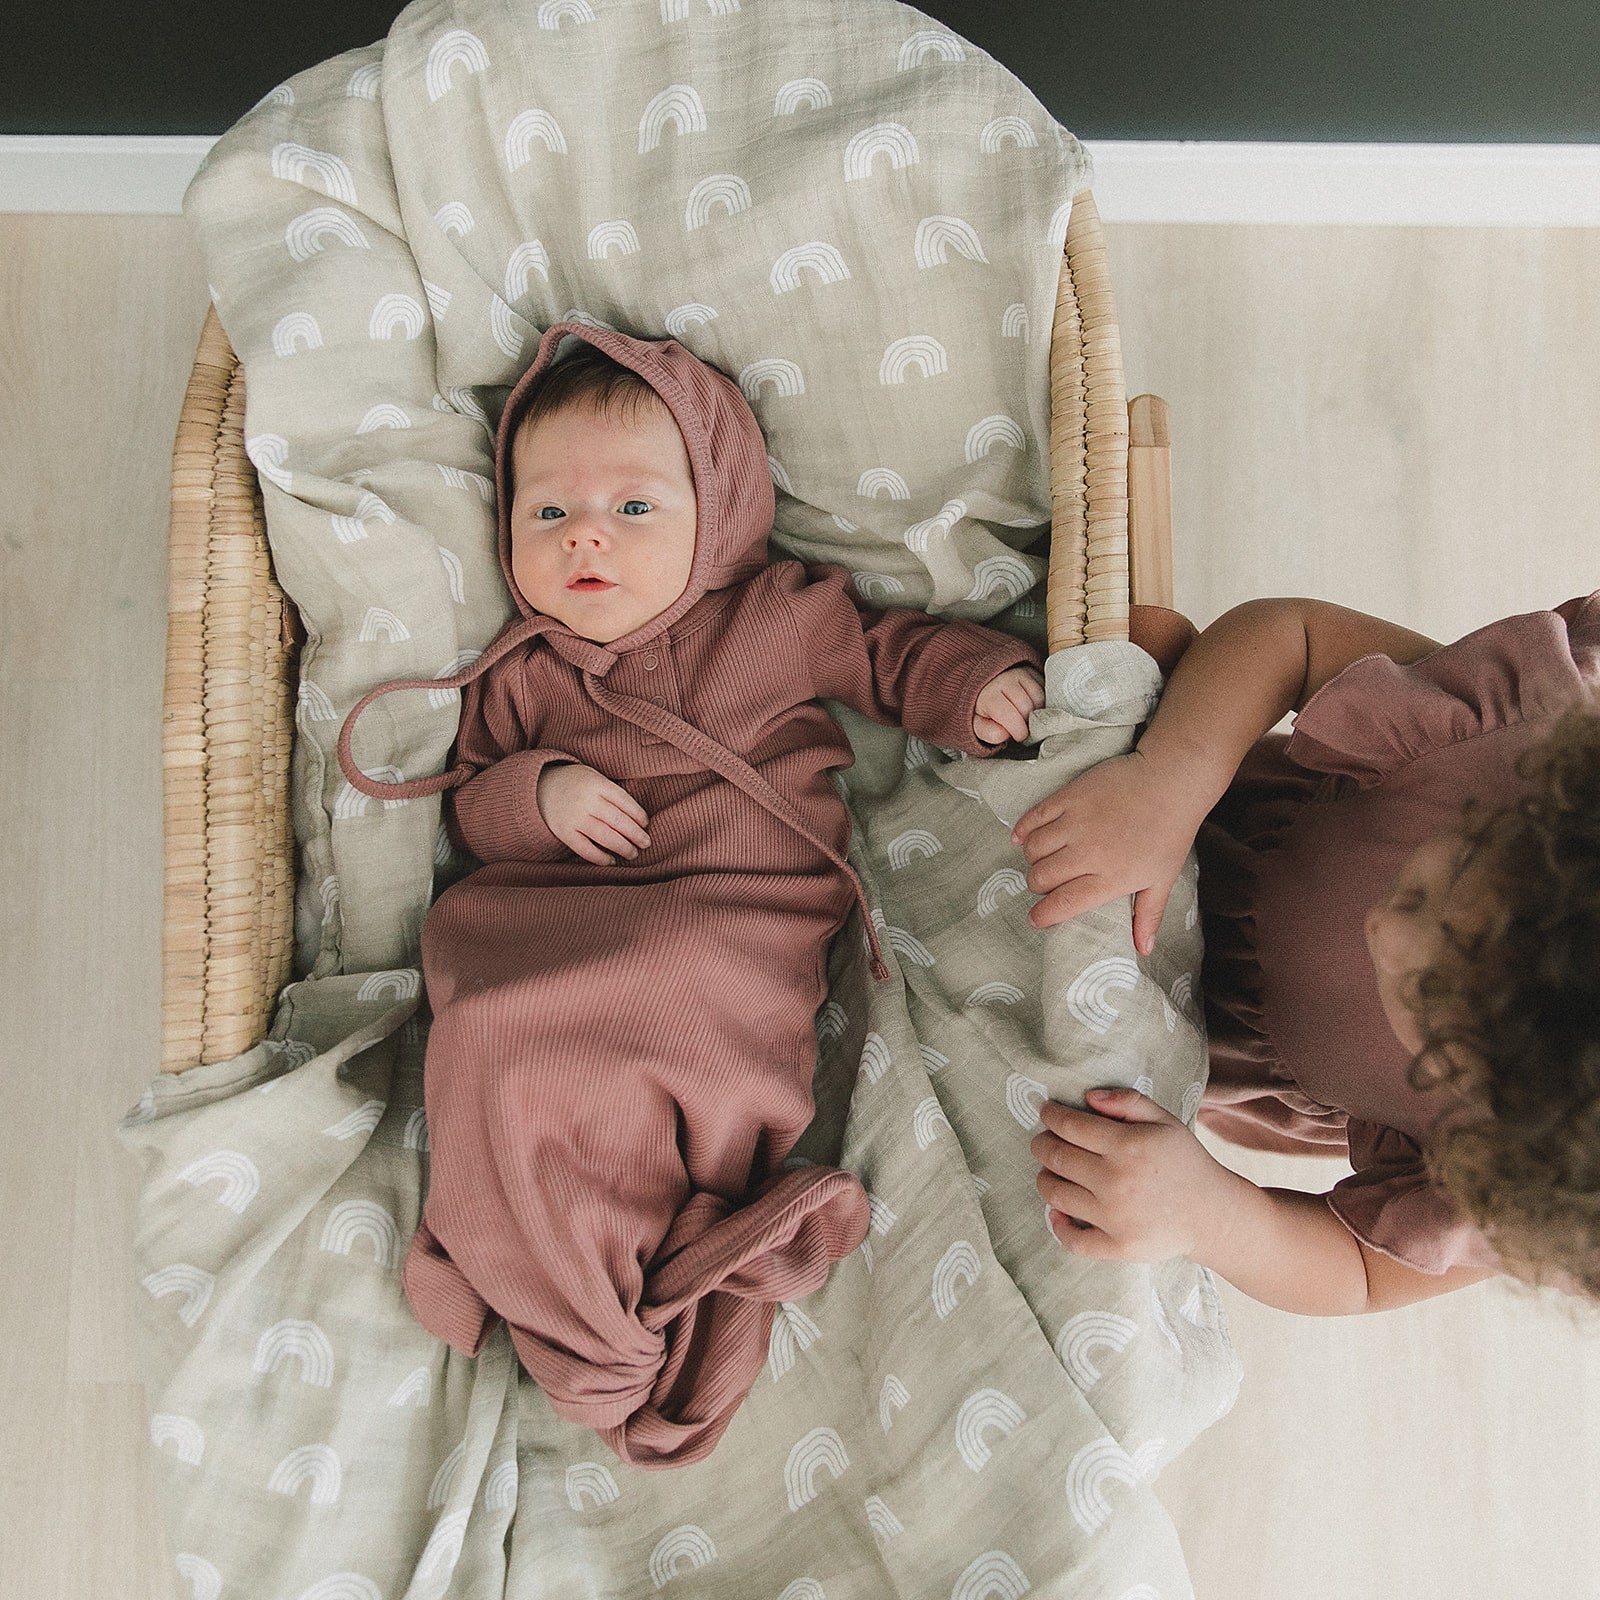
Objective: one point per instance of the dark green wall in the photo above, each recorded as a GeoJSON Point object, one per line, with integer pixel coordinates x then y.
{"type": "Point", "coordinates": [1361, 70]}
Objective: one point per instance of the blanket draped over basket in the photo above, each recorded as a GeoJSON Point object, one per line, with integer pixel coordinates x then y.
{"type": "Point", "coordinates": [859, 216]}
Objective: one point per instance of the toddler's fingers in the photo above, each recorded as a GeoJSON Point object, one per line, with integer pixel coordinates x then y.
{"type": "Point", "coordinates": [624, 824]}
{"type": "Point", "coordinates": [1047, 810]}
{"type": "Point", "coordinates": [1090, 1242]}
{"type": "Point", "coordinates": [1061, 1194]}
{"type": "Point", "coordinates": [1149, 906]}
{"type": "Point", "coordinates": [1073, 899]}
{"type": "Point", "coordinates": [1085, 1129]}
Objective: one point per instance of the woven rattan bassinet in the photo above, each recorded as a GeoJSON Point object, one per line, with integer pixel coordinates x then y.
{"type": "Point", "coordinates": [233, 644]}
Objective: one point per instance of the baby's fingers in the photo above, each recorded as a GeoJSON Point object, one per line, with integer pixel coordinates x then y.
{"type": "Point", "coordinates": [623, 823]}
{"type": "Point", "coordinates": [624, 802]}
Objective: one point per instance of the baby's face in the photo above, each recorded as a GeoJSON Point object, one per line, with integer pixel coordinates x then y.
{"type": "Point", "coordinates": [602, 518]}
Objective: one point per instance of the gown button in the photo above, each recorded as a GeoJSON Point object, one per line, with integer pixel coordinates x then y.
{"type": "Point", "coordinates": [650, 663]}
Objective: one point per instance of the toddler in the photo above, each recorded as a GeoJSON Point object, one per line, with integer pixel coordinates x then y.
{"type": "Point", "coordinates": [624, 993]}
{"type": "Point", "coordinates": [1388, 973]}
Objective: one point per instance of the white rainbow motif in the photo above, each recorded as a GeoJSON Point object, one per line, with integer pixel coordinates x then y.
{"type": "Point", "coordinates": [444, 1480]}
{"type": "Point", "coordinates": [385, 624]}
{"type": "Point", "coordinates": [1014, 322]}
{"type": "Point", "coordinates": [1091, 1469]}
{"type": "Point", "coordinates": [415, 1134]}
{"type": "Point", "coordinates": [363, 1119]}
{"type": "Point", "coordinates": [983, 436]}
{"type": "Point", "coordinates": [843, 524]}
{"type": "Point", "coordinates": [455, 219]}
{"type": "Point", "coordinates": [914, 842]}
{"type": "Point", "coordinates": [1024, 1096]}
{"type": "Point", "coordinates": [987, 1408]}
{"type": "Point", "coordinates": [438, 304]}
{"type": "Point", "coordinates": [527, 126]}
{"type": "Point", "coordinates": [1082, 688]}
{"type": "Point", "coordinates": [918, 535]}
{"type": "Point", "coordinates": [1057, 232]}
{"type": "Point", "coordinates": [686, 1543]}
{"type": "Point", "coordinates": [823, 258]}
{"type": "Point", "coordinates": [403, 983]}
{"type": "Point", "coordinates": [932, 1060]}
{"type": "Point", "coordinates": [1006, 130]}
{"type": "Point", "coordinates": [919, 350]}
{"type": "Point", "coordinates": [876, 586]}
{"type": "Point", "coordinates": [450, 50]}
{"type": "Point", "coordinates": [792, 1332]}
{"type": "Point", "coordinates": [884, 1523]}
{"type": "Point", "coordinates": [343, 1586]}
{"type": "Point", "coordinates": [882, 138]}
{"type": "Point", "coordinates": [880, 1218]}
{"type": "Point", "coordinates": [415, 1389]}
{"type": "Point", "coordinates": [283, 95]}
{"type": "Point", "coordinates": [396, 311]}
{"type": "Point", "coordinates": [295, 1340]}
{"type": "Point", "coordinates": [820, 1448]}
{"type": "Point", "coordinates": [604, 235]}
{"type": "Point", "coordinates": [293, 161]}
{"type": "Point", "coordinates": [268, 452]}
{"type": "Point", "coordinates": [456, 574]}
{"type": "Point", "coordinates": [1087, 995]}
{"type": "Point", "coordinates": [680, 105]}
{"type": "Point", "coordinates": [167, 1427]}
{"type": "Point", "coordinates": [994, 1575]}
{"type": "Point", "coordinates": [678, 10]}
{"type": "Point", "coordinates": [917, 752]}
{"type": "Point", "coordinates": [440, 698]}
{"type": "Point", "coordinates": [466, 402]}
{"type": "Point", "coordinates": [926, 42]}
{"type": "Point", "coordinates": [205, 1582]}
{"type": "Point", "coordinates": [874, 1057]}
{"type": "Point", "coordinates": [1089, 1331]}
{"type": "Point", "coordinates": [317, 1464]}
{"type": "Point", "coordinates": [1183, 993]}
{"type": "Point", "coordinates": [925, 1121]}
{"type": "Point", "coordinates": [892, 1397]}
{"type": "Point", "coordinates": [784, 375]}
{"type": "Point", "coordinates": [959, 1264]}
{"type": "Point", "coordinates": [831, 1022]}
{"type": "Point", "coordinates": [809, 92]}
{"type": "Point", "coordinates": [682, 318]}
{"type": "Point", "coordinates": [443, 1549]}
{"type": "Point", "coordinates": [384, 415]}
{"type": "Point", "coordinates": [503, 327]}
{"type": "Point", "coordinates": [1007, 575]}
{"type": "Point", "coordinates": [996, 993]}
{"type": "Point", "coordinates": [780, 475]}
{"type": "Point", "coordinates": [305, 233]}
{"type": "Point", "coordinates": [803, 1589]}
{"type": "Point", "coordinates": [500, 1491]}
{"type": "Point", "coordinates": [726, 189]}
{"type": "Point", "coordinates": [364, 82]}
{"type": "Point", "coordinates": [551, 13]}
{"type": "Point", "coordinates": [905, 945]}
{"type": "Point", "coordinates": [524, 261]}
{"type": "Point", "coordinates": [351, 1220]}
{"type": "Point", "coordinates": [193, 1283]}
{"type": "Point", "coordinates": [884, 478]}
{"type": "Point", "coordinates": [1191, 1102]}
{"type": "Point", "coordinates": [591, 1481]}
{"type": "Point", "coordinates": [937, 236]}
{"type": "Point", "coordinates": [1007, 881]}
{"type": "Point", "coordinates": [297, 330]}
{"type": "Point", "coordinates": [460, 478]}
{"type": "Point", "coordinates": [241, 1178]}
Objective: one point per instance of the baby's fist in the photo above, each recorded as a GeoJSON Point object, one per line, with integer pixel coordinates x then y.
{"type": "Point", "coordinates": [1004, 704]}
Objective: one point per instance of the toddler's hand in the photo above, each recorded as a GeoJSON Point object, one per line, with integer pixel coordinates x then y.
{"type": "Point", "coordinates": [590, 814]}
{"type": "Point", "coordinates": [1120, 828]}
{"type": "Point", "coordinates": [1004, 703]}
{"type": "Point", "coordinates": [1142, 1182]}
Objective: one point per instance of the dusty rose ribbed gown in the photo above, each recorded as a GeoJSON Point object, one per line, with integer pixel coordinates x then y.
{"type": "Point", "coordinates": [621, 1057]}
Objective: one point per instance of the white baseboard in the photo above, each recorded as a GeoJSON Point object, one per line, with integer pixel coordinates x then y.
{"type": "Point", "coordinates": [1414, 185]}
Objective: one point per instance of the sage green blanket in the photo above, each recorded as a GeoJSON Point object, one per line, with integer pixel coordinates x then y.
{"type": "Point", "coordinates": [860, 216]}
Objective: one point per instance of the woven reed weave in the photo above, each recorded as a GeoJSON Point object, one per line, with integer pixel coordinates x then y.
{"type": "Point", "coordinates": [227, 933]}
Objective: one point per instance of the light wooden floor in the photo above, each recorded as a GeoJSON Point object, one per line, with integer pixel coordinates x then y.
{"type": "Point", "coordinates": [1401, 420]}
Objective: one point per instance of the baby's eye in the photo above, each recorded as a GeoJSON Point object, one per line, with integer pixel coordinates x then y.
{"type": "Point", "coordinates": [635, 508]}
{"type": "Point", "coordinates": [549, 513]}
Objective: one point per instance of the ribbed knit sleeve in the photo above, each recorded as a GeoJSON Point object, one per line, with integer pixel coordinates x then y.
{"type": "Point", "coordinates": [495, 814]}
{"type": "Point", "coordinates": [899, 667]}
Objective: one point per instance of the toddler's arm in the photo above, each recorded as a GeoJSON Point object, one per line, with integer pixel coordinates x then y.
{"type": "Point", "coordinates": [1149, 1190]}
{"type": "Point", "coordinates": [1125, 826]}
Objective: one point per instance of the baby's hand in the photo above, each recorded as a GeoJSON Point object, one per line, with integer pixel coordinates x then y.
{"type": "Point", "coordinates": [1125, 1181]}
{"type": "Point", "coordinates": [1004, 703]}
{"type": "Point", "coordinates": [590, 814]}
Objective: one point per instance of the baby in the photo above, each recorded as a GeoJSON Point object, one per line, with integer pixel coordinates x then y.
{"type": "Point", "coordinates": [624, 994]}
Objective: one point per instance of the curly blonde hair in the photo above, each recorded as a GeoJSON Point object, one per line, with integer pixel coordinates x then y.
{"type": "Point", "coordinates": [1510, 1019]}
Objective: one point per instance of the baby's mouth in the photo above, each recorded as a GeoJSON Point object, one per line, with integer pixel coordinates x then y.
{"type": "Point", "coordinates": [588, 583]}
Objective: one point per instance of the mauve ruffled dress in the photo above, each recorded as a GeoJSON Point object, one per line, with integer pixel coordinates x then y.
{"type": "Point", "coordinates": [1308, 837]}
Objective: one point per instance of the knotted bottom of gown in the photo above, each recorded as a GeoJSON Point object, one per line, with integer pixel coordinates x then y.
{"type": "Point", "coordinates": [706, 1313]}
